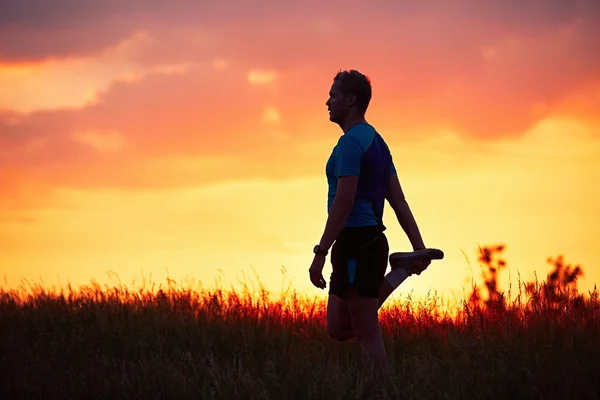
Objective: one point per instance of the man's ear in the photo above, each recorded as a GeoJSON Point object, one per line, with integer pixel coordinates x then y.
{"type": "Point", "coordinates": [351, 99]}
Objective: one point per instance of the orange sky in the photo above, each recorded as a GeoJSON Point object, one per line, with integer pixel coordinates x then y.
{"type": "Point", "coordinates": [192, 137]}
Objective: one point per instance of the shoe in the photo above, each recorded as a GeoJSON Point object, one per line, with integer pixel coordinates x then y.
{"type": "Point", "coordinates": [408, 258]}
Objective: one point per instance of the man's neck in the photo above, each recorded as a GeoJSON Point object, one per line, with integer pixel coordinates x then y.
{"type": "Point", "coordinates": [350, 122]}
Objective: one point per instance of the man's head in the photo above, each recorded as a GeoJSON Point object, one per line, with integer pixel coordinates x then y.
{"type": "Point", "coordinates": [349, 96]}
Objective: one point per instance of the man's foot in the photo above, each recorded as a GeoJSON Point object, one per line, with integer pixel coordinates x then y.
{"type": "Point", "coordinates": [405, 264]}
{"type": "Point", "coordinates": [409, 258]}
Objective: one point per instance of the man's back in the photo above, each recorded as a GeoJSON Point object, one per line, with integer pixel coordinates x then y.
{"type": "Point", "coordinates": [362, 151]}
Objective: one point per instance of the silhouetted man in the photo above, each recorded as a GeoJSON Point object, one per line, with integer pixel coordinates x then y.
{"type": "Point", "coordinates": [361, 176]}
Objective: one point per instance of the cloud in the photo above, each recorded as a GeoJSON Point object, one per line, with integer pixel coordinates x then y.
{"type": "Point", "coordinates": [110, 141]}
{"type": "Point", "coordinates": [149, 94]}
{"type": "Point", "coordinates": [271, 115]}
{"type": "Point", "coordinates": [261, 77]}
{"type": "Point", "coordinates": [73, 82]}
{"type": "Point", "coordinates": [198, 126]}
{"type": "Point", "coordinates": [66, 27]}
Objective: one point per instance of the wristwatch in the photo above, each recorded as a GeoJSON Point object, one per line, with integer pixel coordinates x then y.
{"type": "Point", "coordinates": [319, 250]}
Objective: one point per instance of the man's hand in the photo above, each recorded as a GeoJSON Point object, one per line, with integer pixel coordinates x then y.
{"type": "Point", "coordinates": [316, 271]}
{"type": "Point", "coordinates": [420, 266]}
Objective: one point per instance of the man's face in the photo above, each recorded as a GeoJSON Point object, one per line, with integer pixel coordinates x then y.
{"type": "Point", "coordinates": [337, 104]}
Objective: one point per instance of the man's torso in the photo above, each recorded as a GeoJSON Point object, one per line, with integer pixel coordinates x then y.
{"type": "Point", "coordinates": [361, 151]}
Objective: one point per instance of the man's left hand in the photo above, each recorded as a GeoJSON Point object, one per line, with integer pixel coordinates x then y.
{"type": "Point", "coordinates": [316, 271]}
{"type": "Point", "coordinates": [420, 266]}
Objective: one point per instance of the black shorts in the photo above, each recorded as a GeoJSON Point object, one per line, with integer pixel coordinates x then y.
{"type": "Point", "coordinates": [359, 258]}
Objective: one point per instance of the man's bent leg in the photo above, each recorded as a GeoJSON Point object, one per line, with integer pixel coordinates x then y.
{"type": "Point", "coordinates": [390, 282]}
{"type": "Point", "coordinates": [365, 322]}
{"type": "Point", "coordinates": [339, 324]}
{"type": "Point", "coordinates": [403, 265]}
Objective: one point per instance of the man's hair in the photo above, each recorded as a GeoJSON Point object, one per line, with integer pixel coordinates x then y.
{"type": "Point", "coordinates": [353, 82]}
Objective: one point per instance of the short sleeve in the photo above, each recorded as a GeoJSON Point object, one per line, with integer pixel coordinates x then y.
{"type": "Point", "coordinates": [348, 157]}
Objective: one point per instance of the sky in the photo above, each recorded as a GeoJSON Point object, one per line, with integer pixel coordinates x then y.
{"type": "Point", "coordinates": [187, 139]}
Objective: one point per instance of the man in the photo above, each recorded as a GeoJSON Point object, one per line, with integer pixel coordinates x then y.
{"type": "Point", "coordinates": [361, 176]}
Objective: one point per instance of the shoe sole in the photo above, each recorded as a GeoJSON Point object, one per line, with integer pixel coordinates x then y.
{"type": "Point", "coordinates": [408, 258]}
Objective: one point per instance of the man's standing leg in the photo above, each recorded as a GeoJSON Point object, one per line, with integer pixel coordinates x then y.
{"type": "Point", "coordinates": [365, 324]}
{"type": "Point", "coordinates": [363, 296]}
{"type": "Point", "coordinates": [339, 324]}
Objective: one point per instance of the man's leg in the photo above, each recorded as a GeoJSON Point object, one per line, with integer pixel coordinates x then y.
{"type": "Point", "coordinates": [363, 297]}
{"type": "Point", "coordinates": [404, 264]}
{"type": "Point", "coordinates": [339, 324]}
{"type": "Point", "coordinates": [365, 324]}
{"type": "Point", "coordinates": [390, 282]}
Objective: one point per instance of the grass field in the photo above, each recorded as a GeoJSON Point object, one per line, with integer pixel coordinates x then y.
{"type": "Point", "coordinates": [177, 343]}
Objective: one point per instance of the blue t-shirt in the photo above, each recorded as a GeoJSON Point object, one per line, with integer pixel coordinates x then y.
{"type": "Point", "coordinates": [361, 151]}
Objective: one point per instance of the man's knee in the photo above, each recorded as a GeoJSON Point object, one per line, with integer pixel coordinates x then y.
{"type": "Point", "coordinates": [340, 334]}
{"type": "Point", "coordinates": [367, 330]}
{"type": "Point", "coordinates": [339, 325]}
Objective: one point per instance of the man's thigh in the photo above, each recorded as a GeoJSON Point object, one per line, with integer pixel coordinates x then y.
{"type": "Point", "coordinates": [339, 324]}
{"type": "Point", "coordinates": [363, 312]}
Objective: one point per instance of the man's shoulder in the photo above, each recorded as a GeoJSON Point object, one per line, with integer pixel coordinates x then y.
{"type": "Point", "coordinates": [360, 135]}
{"type": "Point", "coordinates": [361, 129]}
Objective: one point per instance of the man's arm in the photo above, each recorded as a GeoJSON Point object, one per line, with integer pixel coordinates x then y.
{"type": "Point", "coordinates": [395, 196]}
{"type": "Point", "coordinates": [340, 209]}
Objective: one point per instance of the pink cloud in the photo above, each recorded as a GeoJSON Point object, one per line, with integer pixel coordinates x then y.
{"type": "Point", "coordinates": [242, 84]}
{"type": "Point", "coordinates": [153, 132]}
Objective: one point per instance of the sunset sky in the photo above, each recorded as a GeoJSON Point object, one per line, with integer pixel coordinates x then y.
{"type": "Point", "coordinates": [190, 137]}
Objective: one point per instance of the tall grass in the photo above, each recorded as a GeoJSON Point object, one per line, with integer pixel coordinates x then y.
{"type": "Point", "coordinates": [180, 343]}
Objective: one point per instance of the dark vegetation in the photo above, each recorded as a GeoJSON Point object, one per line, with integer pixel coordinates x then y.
{"type": "Point", "coordinates": [178, 343]}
